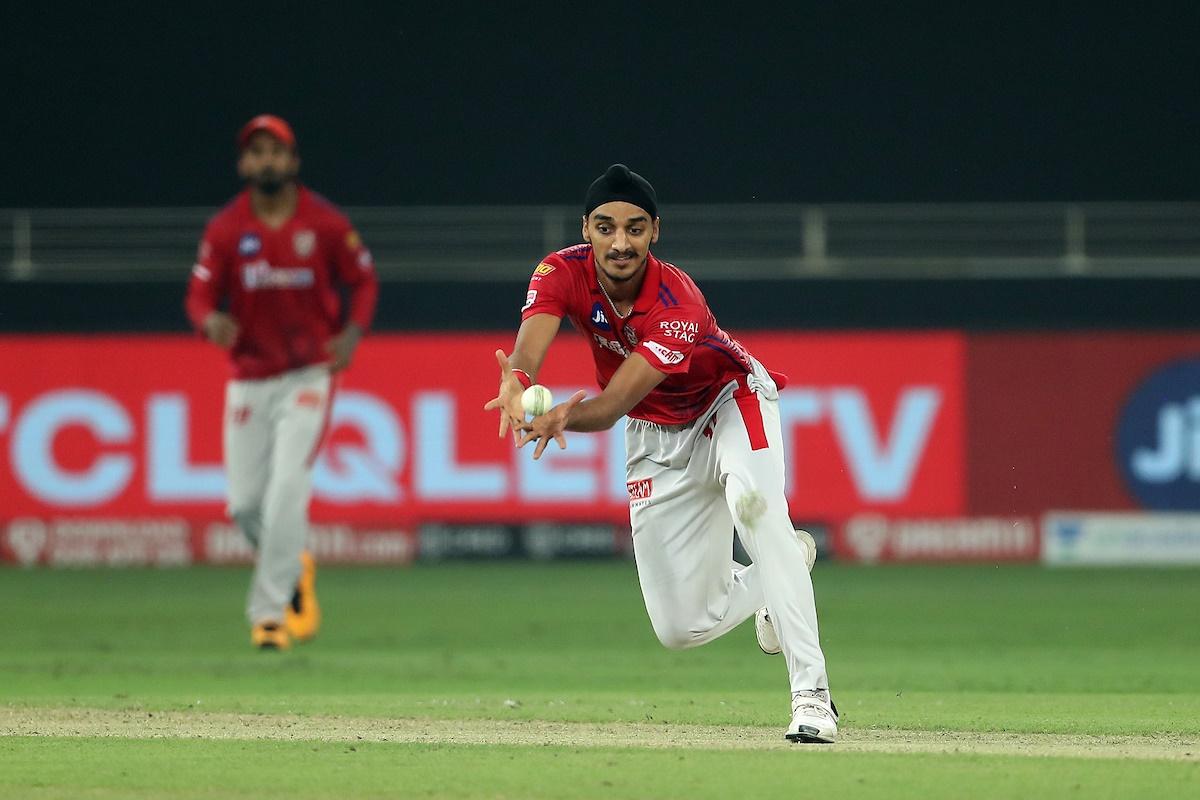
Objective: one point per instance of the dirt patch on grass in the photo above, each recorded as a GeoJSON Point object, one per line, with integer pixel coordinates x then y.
{"type": "Point", "coordinates": [16, 721]}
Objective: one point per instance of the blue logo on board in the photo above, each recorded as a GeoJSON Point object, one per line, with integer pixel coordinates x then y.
{"type": "Point", "coordinates": [249, 244]}
{"type": "Point", "coordinates": [1068, 531]}
{"type": "Point", "coordinates": [599, 320]}
{"type": "Point", "coordinates": [1158, 438]}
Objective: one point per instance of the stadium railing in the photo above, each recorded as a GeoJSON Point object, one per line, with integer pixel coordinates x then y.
{"type": "Point", "coordinates": [711, 241]}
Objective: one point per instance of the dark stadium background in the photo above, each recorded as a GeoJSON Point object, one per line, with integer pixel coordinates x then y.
{"type": "Point", "coordinates": [135, 103]}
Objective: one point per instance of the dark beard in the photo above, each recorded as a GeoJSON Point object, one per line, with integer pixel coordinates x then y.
{"type": "Point", "coordinates": [616, 279]}
{"type": "Point", "coordinates": [270, 185]}
{"type": "Point", "coordinates": [626, 278]}
{"type": "Point", "coordinates": [270, 182]}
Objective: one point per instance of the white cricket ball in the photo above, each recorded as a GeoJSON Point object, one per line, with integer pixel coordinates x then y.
{"type": "Point", "coordinates": [537, 400]}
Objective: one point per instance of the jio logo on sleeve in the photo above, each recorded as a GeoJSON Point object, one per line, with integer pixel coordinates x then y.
{"type": "Point", "coordinates": [1158, 438]}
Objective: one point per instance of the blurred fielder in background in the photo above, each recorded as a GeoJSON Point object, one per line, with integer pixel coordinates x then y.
{"type": "Point", "coordinates": [704, 447]}
{"type": "Point", "coordinates": [275, 256]}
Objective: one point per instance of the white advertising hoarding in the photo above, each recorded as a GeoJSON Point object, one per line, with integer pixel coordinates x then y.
{"type": "Point", "coordinates": [1120, 539]}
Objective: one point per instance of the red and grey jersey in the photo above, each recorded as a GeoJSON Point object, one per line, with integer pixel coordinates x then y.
{"type": "Point", "coordinates": [282, 284]}
{"type": "Point", "coordinates": [670, 326]}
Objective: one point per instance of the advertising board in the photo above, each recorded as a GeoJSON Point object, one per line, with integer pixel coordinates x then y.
{"type": "Point", "coordinates": [129, 428]}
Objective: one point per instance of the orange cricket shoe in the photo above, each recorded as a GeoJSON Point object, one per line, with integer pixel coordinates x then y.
{"type": "Point", "coordinates": [270, 636]}
{"type": "Point", "coordinates": [303, 614]}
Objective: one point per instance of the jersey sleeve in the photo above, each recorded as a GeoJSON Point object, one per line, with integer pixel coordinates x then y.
{"type": "Point", "coordinates": [550, 289]}
{"type": "Point", "coordinates": [210, 275]}
{"type": "Point", "coordinates": [355, 268]}
{"type": "Point", "coordinates": [669, 335]}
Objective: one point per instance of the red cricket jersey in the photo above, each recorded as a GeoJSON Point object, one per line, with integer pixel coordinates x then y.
{"type": "Point", "coordinates": [670, 325]}
{"type": "Point", "coordinates": [282, 285]}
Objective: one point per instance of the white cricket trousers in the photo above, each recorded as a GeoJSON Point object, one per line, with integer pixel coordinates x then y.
{"type": "Point", "coordinates": [724, 470]}
{"type": "Point", "coordinates": [273, 428]}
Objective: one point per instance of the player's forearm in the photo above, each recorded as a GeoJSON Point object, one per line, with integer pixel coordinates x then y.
{"type": "Point", "coordinates": [632, 381]}
{"type": "Point", "coordinates": [525, 362]}
{"type": "Point", "coordinates": [198, 305]}
{"type": "Point", "coordinates": [364, 296]}
{"type": "Point", "coordinates": [598, 414]}
{"type": "Point", "coordinates": [533, 341]}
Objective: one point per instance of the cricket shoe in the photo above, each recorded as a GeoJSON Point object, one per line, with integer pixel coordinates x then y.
{"type": "Point", "coordinates": [303, 615]}
{"type": "Point", "coordinates": [270, 636]}
{"type": "Point", "coordinates": [768, 640]}
{"type": "Point", "coordinates": [814, 718]}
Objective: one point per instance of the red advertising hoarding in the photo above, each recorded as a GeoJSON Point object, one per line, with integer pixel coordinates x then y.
{"type": "Point", "coordinates": [938, 446]}
{"type": "Point", "coordinates": [104, 434]}
{"type": "Point", "coordinates": [1101, 421]}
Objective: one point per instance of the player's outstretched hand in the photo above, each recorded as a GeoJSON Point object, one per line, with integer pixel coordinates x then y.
{"type": "Point", "coordinates": [221, 329]}
{"type": "Point", "coordinates": [341, 347]}
{"type": "Point", "coordinates": [507, 399]}
{"type": "Point", "coordinates": [550, 425]}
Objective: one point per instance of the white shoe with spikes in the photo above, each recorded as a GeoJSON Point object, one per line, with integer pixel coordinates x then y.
{"type": "Point", "coordinates": [814, 718]}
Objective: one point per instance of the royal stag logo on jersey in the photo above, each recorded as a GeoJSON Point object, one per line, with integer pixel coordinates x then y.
{"type": "Point", "coordinates": [682, 329]}
{"type": "Point", "coordinates": [304, 242]}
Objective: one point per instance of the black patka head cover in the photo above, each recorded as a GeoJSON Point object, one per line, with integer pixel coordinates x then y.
{"type": "Point", "coordinates": [620, 183]}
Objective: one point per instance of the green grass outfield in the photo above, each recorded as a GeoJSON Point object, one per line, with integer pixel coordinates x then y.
{"type": "Point", "coordinates": [530, 680]}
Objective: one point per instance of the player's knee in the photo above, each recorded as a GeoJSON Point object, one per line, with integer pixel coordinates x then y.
{"type": "Point", "coordinates": [749, 507]}
{"type": "Point", "coordinates": [243, 516]}
{"type": "Point", "coordinates": [675, 637]}
{"type": "Point", "coordinates": [249, 521]}
{"type": "Point", "coordinates": [289, 485]}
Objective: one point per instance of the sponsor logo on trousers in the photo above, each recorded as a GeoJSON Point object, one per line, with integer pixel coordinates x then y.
{"type": "Point", "coordinates": [640, 490]}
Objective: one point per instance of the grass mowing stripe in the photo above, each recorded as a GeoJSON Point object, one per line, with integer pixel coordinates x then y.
{"type": "Point", "coordinates": [192, 725]}
{"type": "Point", "coordinates": [182, 769]}
{"type": "Point", "coordinates": [303, 770]}
{"type": "Point", "coordinates": [1012, 712]}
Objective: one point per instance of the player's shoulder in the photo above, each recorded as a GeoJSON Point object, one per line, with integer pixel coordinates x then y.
{"type": "Point", "coordinates": [231, 213]}
{"type": "Point", "coordinates": [677, 287]}
{"type": "Point", "coordinates": [573, 257]}
{"type": "Point", "coordinates": [576, 252]}
{"type": "Point", "coordinates": [569, 261]}
{"type": "Point", "coordinates": [226, 224]}
{"type": "Point", "coordinates": [321, 210]}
